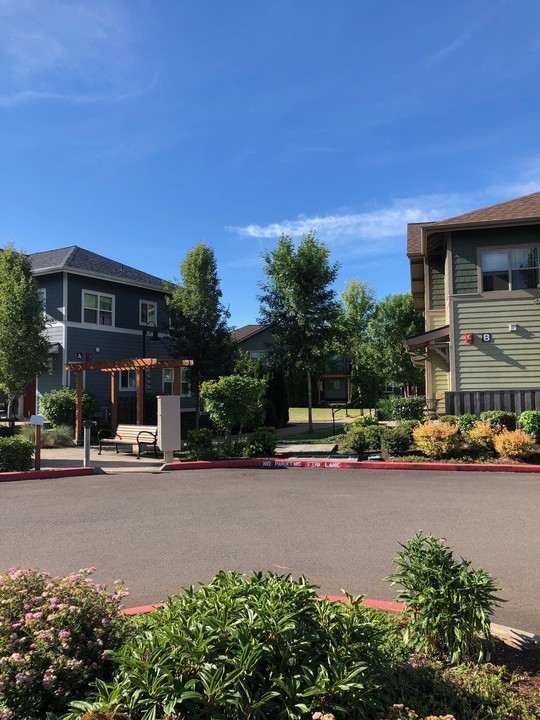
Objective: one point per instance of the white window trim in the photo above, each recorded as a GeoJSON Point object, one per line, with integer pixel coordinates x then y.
{"type": "Point", "coordinates": [99, 294]}
{"type": "Point", "coordinates": [147, 302]}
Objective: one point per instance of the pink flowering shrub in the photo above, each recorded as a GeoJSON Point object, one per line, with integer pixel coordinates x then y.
{"type": "Point", "coordinates": [56, 636]}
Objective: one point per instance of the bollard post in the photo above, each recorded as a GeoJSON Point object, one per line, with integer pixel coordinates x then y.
{"type": "Point", "coordinates": [37, 445]}
{"type": "Point", "coordinates": [87, 424]}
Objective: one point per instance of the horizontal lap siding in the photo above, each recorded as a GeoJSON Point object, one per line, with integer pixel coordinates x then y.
{"type": "Point", "coordinates": [512, 359]}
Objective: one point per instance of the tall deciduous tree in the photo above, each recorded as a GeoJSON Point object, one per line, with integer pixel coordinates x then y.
{"type": "Point", "coordinates": [358, 308]}
{"type": "Point", "coordinates": [395, 319]}
{"type": "Point", "coordinates": [24, 349]}
{"type": "Point", "coordinates": [299, 304]}
{"type": "Point", "coordinates": [199, 321]}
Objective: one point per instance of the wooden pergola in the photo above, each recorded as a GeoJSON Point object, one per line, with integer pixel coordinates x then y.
{"type": "Point", "coordinates": [114, 367]}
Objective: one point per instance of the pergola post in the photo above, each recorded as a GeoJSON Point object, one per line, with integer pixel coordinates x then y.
{"type": "Point", "coordinates": [176, 380]}
{"type": "Point", "coordinates": [114, 400]}
{"type": "Point", "coordinates": [78, 406]}
{"type": "Point", "coordinates": [140, 395]}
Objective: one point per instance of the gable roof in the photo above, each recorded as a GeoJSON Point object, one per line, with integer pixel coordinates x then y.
{"type": "Point", "coordinates": [85, 262]}
{"type": "Point", "coordinates": [246, 331]}
{"type": "Point", "coordinates": [511, 212]}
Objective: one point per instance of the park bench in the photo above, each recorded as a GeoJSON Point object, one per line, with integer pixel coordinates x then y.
{"type": "Point", "coordinates": [130, 435]}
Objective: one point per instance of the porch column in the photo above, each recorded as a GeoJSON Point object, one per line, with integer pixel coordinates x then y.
{"type": "Point", "coordinates": [176, 380]}
{"type": "Point", "coordinates": [140, 396]}
{"type": "Point", "coordinates": [114, 401]}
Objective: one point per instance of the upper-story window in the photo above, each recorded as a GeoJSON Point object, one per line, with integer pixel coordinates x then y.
{"type": "Point", "coordinates": [509, 269]}
{"type": "Point", "coordinates": [168, 382]}
{"type": "Point", "coordinates": [147, 312]}
{"type": "Point", "coordinates": [98, 308]}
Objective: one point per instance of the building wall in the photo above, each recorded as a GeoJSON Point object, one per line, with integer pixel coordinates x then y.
{"type": "Point", "coordinates": [512, 359]}
{"type": "Point", "coordinates": [257, 345]}
{"type": "Point", "coordinates": [436, 281]}
{"type": "Point", "coordinates": [465, 245]}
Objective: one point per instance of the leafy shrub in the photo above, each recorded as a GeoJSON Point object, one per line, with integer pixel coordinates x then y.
{"type": "Point", "coordinates": [15, 454]}
{"type": "Point", "coordinates": [448, 605]}
{"type": "Point", "coordinates": [529, 420]}
{"type": "Point", "coordinates": [250, 647]}
{"type": "Point", "coordinates": [397, 407]}
{"type": "Point", "coordinates": [500, 418]}
{"type": "Point", "coordinates": [466, 421]}
{"type": "Point", "coordinates": [395, 441]}
{"type": "Point", "coordinates": [354, 441]}
{"type": "Point", "coordinates": [200, 445]}
{"type": "Point", "coordinates": [261, 443]}
{"type": "Point", "coordinates": [480, 437]}
{"type": "Point", "coordinates": [515, 444]}
{"type": "Point", "coordinates": [408, 426]}
{"type": "Point", "coordinates": [451, 419]}
{"type": "Point", "coordinates": [56, 636]}
{"type": "Point", "coordinates": [437, 440]}
{"type": "Point", "coordinates": [364, 421]}
{"type": "Point", "coordinates": [59, 406]}
{"type": "Point", "coordinates": [372, 434]}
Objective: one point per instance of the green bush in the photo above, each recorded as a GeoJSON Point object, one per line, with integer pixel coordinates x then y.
{"type": "Point", "coordinates": [61, 436]}
{"type": "Point", "coordinates": [465, 422]}
{"type": "Point", "coordinates": [408, 426]}
{"type": "Point", "coordinates": [529, 420]}
{"type": "Point", "coordinates": [501, 418]}
{"type": "Point", "coordinates": [200, 445]}
{"type": "Point", "coordinates": [353, 442]}
{"type": "Point", "coordinates": [56, 637]}
{"type": "Point", "coordinates": [448, 605]}
{"type": "Point", "coordinates": [15, 454]}
{"type": "Point", "coordinates": [451, 419]}
{"type": "Point", "coordinates": [59, 406]}
{"type": "Point", "coordinates": [395, 441]}
{"type": "Point", "coordinates": [250, 647]}
{"type": "Point", "coordinates": [397, 407]}
{"type": "Point", "coordinates": [372, 434]}
{"type": "Point", "coordinates": [364, 421]}
{"type": "Point", "coordinates": [261, 443]}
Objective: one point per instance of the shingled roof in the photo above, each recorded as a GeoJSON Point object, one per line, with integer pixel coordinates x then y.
{"type": "Point", "coordinates": [522, 209]}
{"type": "Point", "coordinates": [246, 331]}
{"type": "Point", "coordinates": [83, 261]}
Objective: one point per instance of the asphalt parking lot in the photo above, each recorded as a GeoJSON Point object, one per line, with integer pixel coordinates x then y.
{"type": "Point", "coordinates": [340, 528]}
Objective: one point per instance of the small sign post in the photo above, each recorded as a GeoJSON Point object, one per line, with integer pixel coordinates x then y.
{"type": "Point", "coordinates": [37, 421]}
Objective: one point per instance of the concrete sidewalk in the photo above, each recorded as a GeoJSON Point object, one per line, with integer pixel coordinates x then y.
{"type": "Point", "coordinates": [108, 462]}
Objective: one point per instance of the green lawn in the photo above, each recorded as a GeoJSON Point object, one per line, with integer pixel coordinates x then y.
{"type": "Point", "coordinates": [300, 415]}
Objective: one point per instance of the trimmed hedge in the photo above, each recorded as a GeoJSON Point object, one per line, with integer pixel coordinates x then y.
{"type": "Point", "coordinates": [15, 454]}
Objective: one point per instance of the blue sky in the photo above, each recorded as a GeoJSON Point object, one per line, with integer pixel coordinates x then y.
{"type": "Point", "coordinates": [137, 128]}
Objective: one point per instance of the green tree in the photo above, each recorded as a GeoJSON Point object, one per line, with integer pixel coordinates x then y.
{"type": "Point", "coordinates": [24, 349]}
{"type": "Point", "coordinates": [199, 321]}
{"type": "Point", "coordinates": [299, 305]}
{"type": "Point", "coordinates": [233, 401]}
{"type": "Point", "coordinates": [395, 319]}
{"type": "Point", "coordinates": [358, 308]}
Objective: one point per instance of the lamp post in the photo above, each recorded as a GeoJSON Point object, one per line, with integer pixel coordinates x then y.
{"type": "Point", "coordinates": [150, 325]}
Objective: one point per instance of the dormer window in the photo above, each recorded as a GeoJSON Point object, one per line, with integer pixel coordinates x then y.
{"type": "Point", "coordinates": [509, 269]}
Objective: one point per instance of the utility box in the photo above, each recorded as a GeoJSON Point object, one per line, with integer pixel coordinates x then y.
{"type": "Point", "coordinates": [169, 425]}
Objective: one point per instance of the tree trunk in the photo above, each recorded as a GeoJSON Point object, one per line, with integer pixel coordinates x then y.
{"type": "Point", "coordinates": [310, 407]}
{"type": "Point", "coordinates": [197, 407]}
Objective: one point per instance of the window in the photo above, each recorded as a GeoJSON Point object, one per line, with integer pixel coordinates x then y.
{"type": "Point", "coordinates": [509, 269]}
{"type": "Point", "coordinates": [97, 308]}
{"type": "Point", "coordinates": [168, 382]}
{"type": "Point", "coordinates": [147, 312]}
{"type": "Point", "coordinates": [128, 379]}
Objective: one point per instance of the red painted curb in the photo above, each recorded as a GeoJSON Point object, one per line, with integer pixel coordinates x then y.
{"type": "Point", "coordinates": [347, 465]}
{"type": "Point", "coordinates": [42, 474]}
{"type": "Point", "coordinates": [378, 604]}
